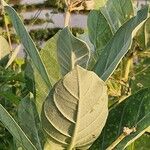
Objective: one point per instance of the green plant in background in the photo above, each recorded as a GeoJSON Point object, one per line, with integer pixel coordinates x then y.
{"type": "Point", "coordinates": [64, 103]}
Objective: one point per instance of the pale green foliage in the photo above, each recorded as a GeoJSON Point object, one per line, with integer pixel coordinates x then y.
{"type": "Point", "coordinates": [49, 57]}
{"type": "Point", "coordinates": [4, 47]}
{"type": "Point", "coordinates": [76, 110]}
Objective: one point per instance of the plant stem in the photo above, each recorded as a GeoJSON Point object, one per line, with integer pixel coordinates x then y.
{"type": "Point", "coordinates": [126, 131]}
{"type": "Point", "coordinates": [67, 17]}
{"type": "Point", "coordinates": [6, 27]}
{"type": "Point", "coordinates": [127, 70]}
{"type": "Point", "coordinates": [120, 138]}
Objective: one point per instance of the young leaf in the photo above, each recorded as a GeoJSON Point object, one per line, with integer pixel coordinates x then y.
{"type": "Point", "coordinates": [28, 43]}
{"type": "Point", "coordinates": [118, 46]}
{"type": "Point", "coordinates": [132, 112]}
{"type": "Point", "coordinates": [71, 51]}
{"type": "Point", "coordinates": [75, 112]}
{"type": "Point", "coordinates": [15, 129]}
{"type": "Point", "coordinates": [99, 30]}
{"type": "Point", "coordinates": [117, 12]}
{"type": "Point", "coordinates": [29, 121]}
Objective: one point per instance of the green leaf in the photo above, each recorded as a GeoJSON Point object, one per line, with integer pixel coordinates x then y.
{"type": "Point", "coordinates": [41, 91]}
{"type": "Point", "coordinates": [99, 30]}
{"type": "Point", "coordinates": [93, 58]}
{"type": "Point", "coordinates": [29, 121]}
{"type": "Point", "coordinates": [29, 77]}
{"type": "Point", "coordinates": [143, 36]}
{"type": "Point", "coordinates": [142, 71]}
{"type": "Point", "coordinates": [8, 76]}
{"type": "Point", "coordinates": [118, 46]}
{"type": "Point", "coordinates": [49, 57]}
{"type": "Point", "coordinates": [75, 111]}
{"type": "Point", "coordinates": [13, 56]}
{"type": "Point", "coordinates": [4, 47]}
{"type": "Point", "coordinates": [28, 43]}
{"type": "Point", "coordinates": [10, 97]}
{"type": "Point", "coordinates": [15, 129]}
{"type": "Point", "coordinates": [117, 12]}
{"type": "Point", "coordinates": [132, 112]}
{"type": "Point", "coordinates": [36, 85]}
{"type": "Point", "coordinates": [85, 38]}
{"type": "Point", "coordinates": [71, 51]}
{"type": "Point", "coordinates": [141, 143]}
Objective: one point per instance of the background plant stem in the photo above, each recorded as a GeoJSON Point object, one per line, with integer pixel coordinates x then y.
{"type": "Point", "coordinates": [67, 17]}
{"type": "Point", "coordinates": [6, 27]}
{"type": "Point", "coordinates": [115, 143]}
{"type": "Point", "coordinates": [127, 69]}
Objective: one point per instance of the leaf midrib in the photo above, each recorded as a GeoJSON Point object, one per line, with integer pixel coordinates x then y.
{"type": "Point", "coordinates": [72, 143]}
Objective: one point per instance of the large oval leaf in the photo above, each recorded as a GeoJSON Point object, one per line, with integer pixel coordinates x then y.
{"type": "Point", "coordinates": [132, 112]}
{"type": "Point", "coordinates": [49, 57]}
{"type": "Point", "coordinates": [76, 110]}
{"type": "Point", "coordinates": [71, 51]}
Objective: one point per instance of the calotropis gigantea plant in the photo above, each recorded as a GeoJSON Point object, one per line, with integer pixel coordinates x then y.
{"type": "Point", "coordinates": [70, 99]}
